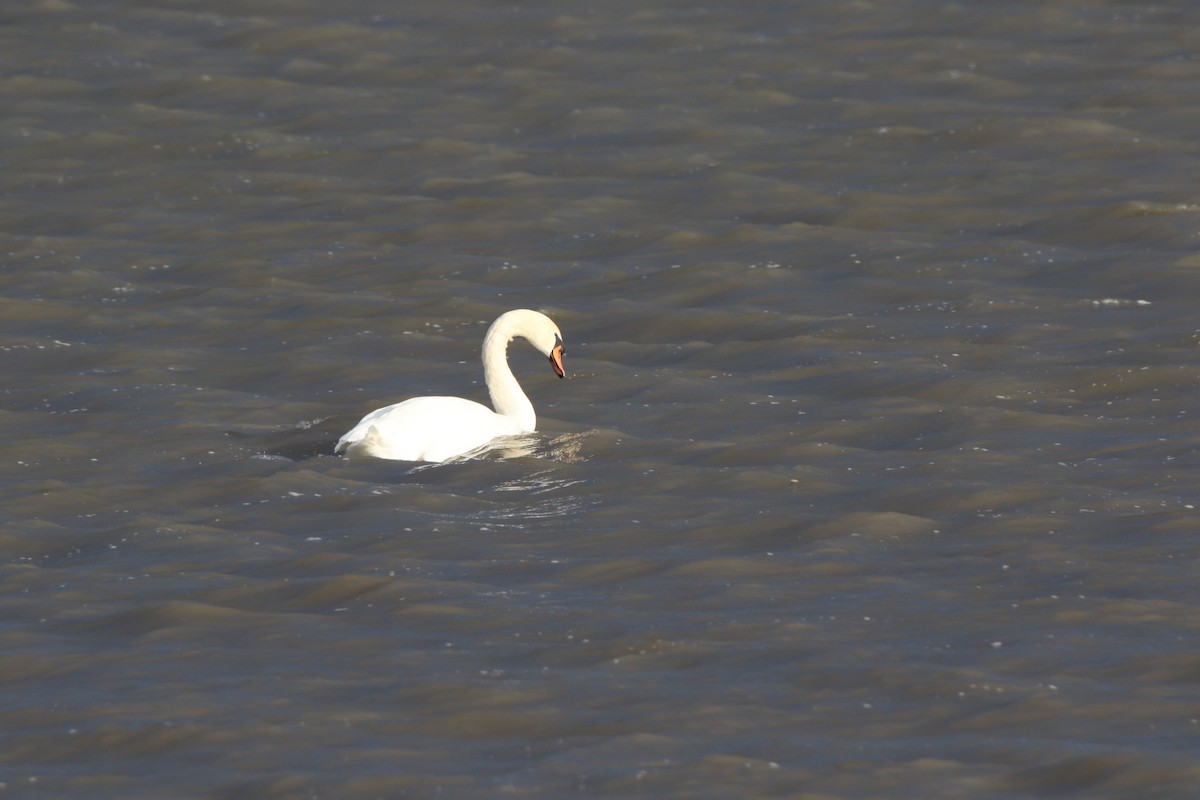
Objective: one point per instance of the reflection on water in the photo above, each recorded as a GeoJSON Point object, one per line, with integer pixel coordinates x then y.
{"type": "Point", "coordinates": [565, 447]}
{"type": "Point", "coordinates": [537, 483]}
{"type": "Point", "coordinates": [541, 482]}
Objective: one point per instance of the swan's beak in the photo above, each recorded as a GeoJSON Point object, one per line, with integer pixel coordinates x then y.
{"type": "Point", "coordinates": [556, 357]}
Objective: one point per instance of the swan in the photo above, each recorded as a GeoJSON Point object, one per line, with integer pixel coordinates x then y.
{"type": "Point", "coordinates": [440, 428]}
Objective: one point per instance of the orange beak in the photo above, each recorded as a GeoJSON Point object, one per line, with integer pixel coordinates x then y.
{"type": "Point", "coordinates": [556, 357]}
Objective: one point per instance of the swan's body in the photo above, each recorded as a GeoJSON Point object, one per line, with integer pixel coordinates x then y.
{"type": "Point", "coordinates": [440, 428]}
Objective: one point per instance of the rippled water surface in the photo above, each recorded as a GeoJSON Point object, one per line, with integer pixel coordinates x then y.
{"type": "Point", "coordinates": [875, 472]}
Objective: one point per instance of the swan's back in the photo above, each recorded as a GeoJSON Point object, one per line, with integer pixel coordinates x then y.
{"type": "Point", "coordinates": [426, 429]}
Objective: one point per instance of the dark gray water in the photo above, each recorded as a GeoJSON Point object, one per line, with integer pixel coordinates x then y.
{"type": "Point", "coordinates": [875, 474]}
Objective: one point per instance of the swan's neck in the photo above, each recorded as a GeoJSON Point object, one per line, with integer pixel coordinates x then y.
{"type": "Point", "coordinates": [507, 397]}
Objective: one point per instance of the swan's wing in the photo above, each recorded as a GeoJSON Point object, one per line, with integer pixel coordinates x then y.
{"type": "Point", "coordinates": [425, 429]}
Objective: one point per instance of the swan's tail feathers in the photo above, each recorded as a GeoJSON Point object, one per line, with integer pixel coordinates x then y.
{"type": "Point", "coordinates": [365, 444]}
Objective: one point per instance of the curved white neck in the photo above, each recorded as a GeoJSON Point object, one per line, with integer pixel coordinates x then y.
{"type": "Point", "coordinates": [507, 397]}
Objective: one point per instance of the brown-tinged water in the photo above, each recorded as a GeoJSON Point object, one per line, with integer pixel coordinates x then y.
{"type": "Point", "coordinates": [875, 475]}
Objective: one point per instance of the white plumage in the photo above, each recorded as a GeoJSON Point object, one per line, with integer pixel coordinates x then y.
{"type": "Point", "coordinates": [440, 428]}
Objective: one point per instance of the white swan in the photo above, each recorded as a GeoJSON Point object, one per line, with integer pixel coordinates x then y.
{"type": "Point", "coordinates": [440, 428]}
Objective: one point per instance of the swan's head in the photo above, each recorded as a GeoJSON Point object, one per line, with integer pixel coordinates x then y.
{"type": "Point", "coordinates": [539, 329]}
{"type": "Point", "coordinates": [547, 338]}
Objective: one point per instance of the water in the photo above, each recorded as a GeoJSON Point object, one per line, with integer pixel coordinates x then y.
{"type": "Point", "coordinates": [874, 474]}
